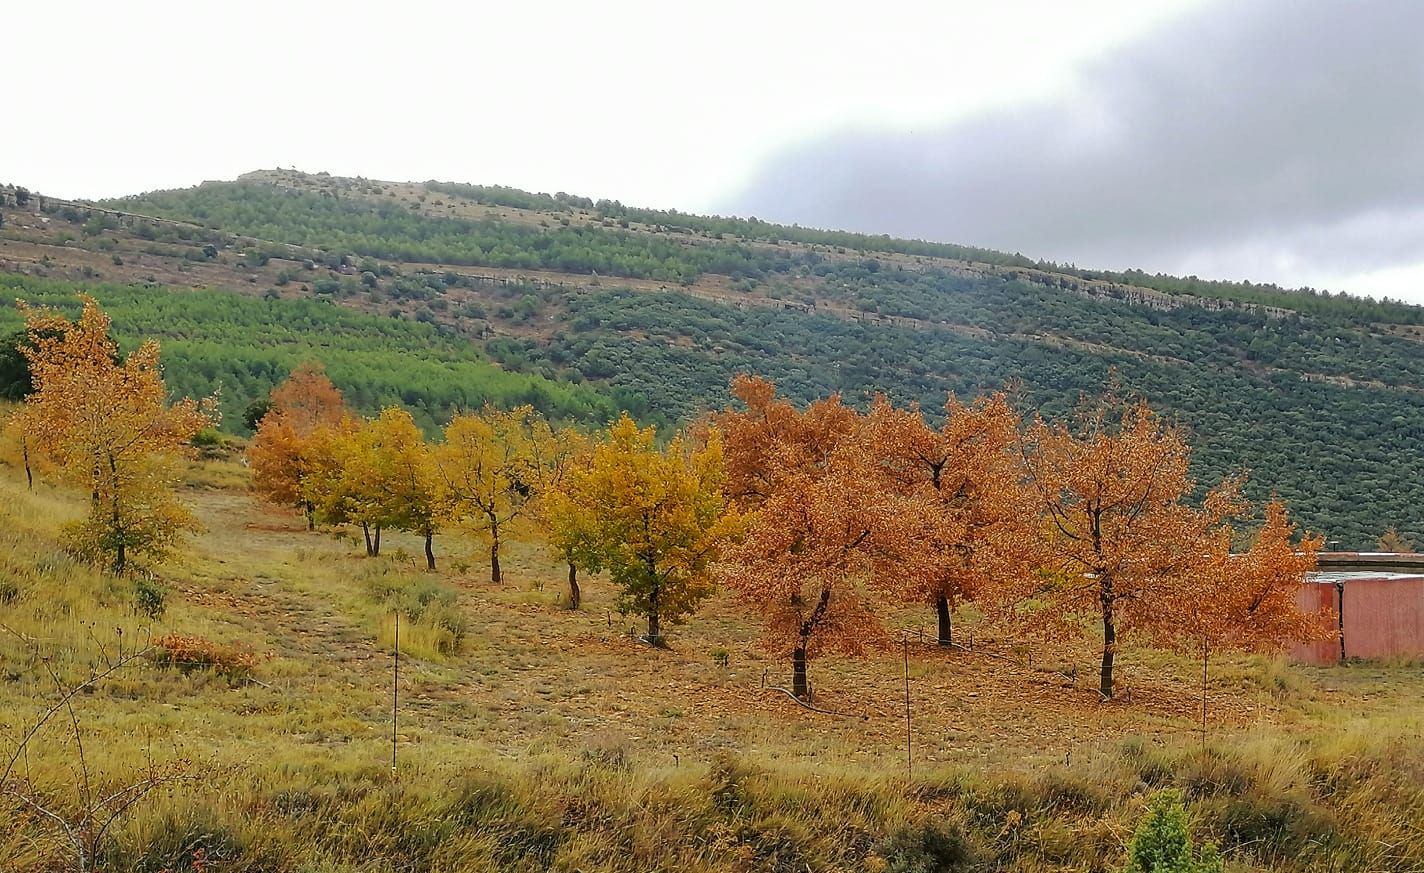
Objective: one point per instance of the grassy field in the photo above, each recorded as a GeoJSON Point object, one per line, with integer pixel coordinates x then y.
{"type": "Point", "coordinates": [533, 737]}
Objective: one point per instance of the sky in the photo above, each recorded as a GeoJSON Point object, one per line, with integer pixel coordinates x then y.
{"type": "Point", "coordinates": [1273, 140]}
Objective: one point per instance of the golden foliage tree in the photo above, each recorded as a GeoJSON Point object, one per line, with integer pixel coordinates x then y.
{"type": "Point", "coordinates": [106, 424]}
{"type": "Point", "coordinates": [1394, 542]}
{"type": "Point", "coordinates": [979, 525]}
{"type": "Point", "coordinates": [326, 484]}
{"type": "Point", "coordinates": [376, 474]}
{"type": "Point", "coordinates": [653, 517]}
{"type": "Point", "coordinates": [1119, 530]}
{"type": "Point", "coordinates": [491, 467]}
{"type": "Point", "coordinates": [279, 454]}
{"type": "Point", "coordinates": [561, 522]}
{"type": "Point", "coordinates": [401, 470]}
{"type": "Point", "coordinates": [18, 447]}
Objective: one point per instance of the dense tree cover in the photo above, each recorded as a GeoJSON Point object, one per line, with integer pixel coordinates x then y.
{"type": "Point", "coordinates": [750, 229]}
{"type": "Point", "coordinates": [1305, 300]}
{"type": "Point", "coordinates": [753, 229]}
{"type": "Point", "coordinates": [388, 230]}
{"type": "Point", "coordinates": [1349, 461]}
{"type": "Point", "coordinates": [243, 346]}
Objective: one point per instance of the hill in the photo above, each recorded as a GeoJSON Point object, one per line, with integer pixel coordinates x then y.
{"type": "Point", "coordinates": [237, 707]}
{"type": "Point", "coordinates": [654, 311]}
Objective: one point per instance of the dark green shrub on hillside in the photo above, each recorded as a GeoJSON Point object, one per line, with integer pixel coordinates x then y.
{"type": "Point", "coordinates": [1162, 844]}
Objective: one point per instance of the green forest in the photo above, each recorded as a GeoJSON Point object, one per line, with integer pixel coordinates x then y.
{"type": "Point", "coordinates": [242, 346]}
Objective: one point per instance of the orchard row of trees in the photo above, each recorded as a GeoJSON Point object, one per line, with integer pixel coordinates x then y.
{"type": "Point", "coordinates": [822, 519]}
{"type": "Point", "coordinates": [1042, 525]}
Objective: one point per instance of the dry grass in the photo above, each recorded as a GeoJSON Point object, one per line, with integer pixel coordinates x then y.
{"type": "Point", "coordinates": [533, 736]}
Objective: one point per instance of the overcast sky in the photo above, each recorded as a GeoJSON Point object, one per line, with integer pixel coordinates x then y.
{"type": "Point", "coordinates": [1276, 140]}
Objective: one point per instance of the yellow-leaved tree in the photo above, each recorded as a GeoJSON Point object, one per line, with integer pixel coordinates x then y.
{"type": "Point", "coordinates": [18, 447]}
{"type": "Point", "coordinates": [377, 474]}
{"type": "Point", "coordinates": [400, 465]}
{"type": "Point", "coordinates": [105, 423]}
{"type": "Point", "coordinates": [488, 465]}
{"type": "Point", "coordinates": [560, 521]}
{"type": "Point", "coordinates": [652, 516]}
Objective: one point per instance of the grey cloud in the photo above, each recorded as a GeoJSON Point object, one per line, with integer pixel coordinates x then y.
{"type": "Point", "coordinates": [1276, 129]}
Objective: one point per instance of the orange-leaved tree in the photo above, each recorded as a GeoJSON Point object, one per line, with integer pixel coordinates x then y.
{"type": "Point", "coordinates": [980, 525]}
{"type": "Point", "coordinates": [304, 403]}
{"type": "Point", "coordinates": [307, 399]}
{"type": "Point", "coordinates": [769, 436]}
{"type": "Point", "coordinates": [108, 427]}
{"type": "Point", "coordinates": [823, 518]}
{"type": "Point", "coordinates": [652, 516]}
{"type": "Point", "coordinates": [1244, 602]}
{"type": "Point", "coordinates": [1118, 529]}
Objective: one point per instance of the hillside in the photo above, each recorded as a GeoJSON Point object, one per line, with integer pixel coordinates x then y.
{"type": "Point", "coordinates": [651, 311]}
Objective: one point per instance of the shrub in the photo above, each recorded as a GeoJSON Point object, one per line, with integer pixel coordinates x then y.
{"type": "Point", "coordinates": [191, 653]}
{"type": "Point", "coordinates": [1161, 843]}
{"type": "Point", "coordinates": [427, 603]}
{"type": "Point", "coordinates": [150, 597]}
{"type": "Point", "coordinates": [927, 847]}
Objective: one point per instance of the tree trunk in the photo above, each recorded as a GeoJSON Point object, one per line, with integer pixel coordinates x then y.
{"type": "Point", "coordinates": [799, 686]}
{"type": "Point", "coordinates": [1205, 653]}
{"type": "Point", "coordinates": [375, 552]}
{"type": "Point", "coordinates": [946, 622]}
{"type": "Point", "coordinates": [311, 515]}
{"type": "Point", "coordinates": [654, 628]}
{"type": "Point", "coordinates": [575, 596]}
{"type": "Point", "coordinates": [366, 532]}
{"type": "Point", "coordinates": [116, 518]}
{"type": "Point", "coordinates": [1105, 675]}
{"type": "Point", "coordinates": [429, 550]}
{"type": "Point", "coordinates": [496, 575]}
{"type": "Point", "coordinates": [29, 473]}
